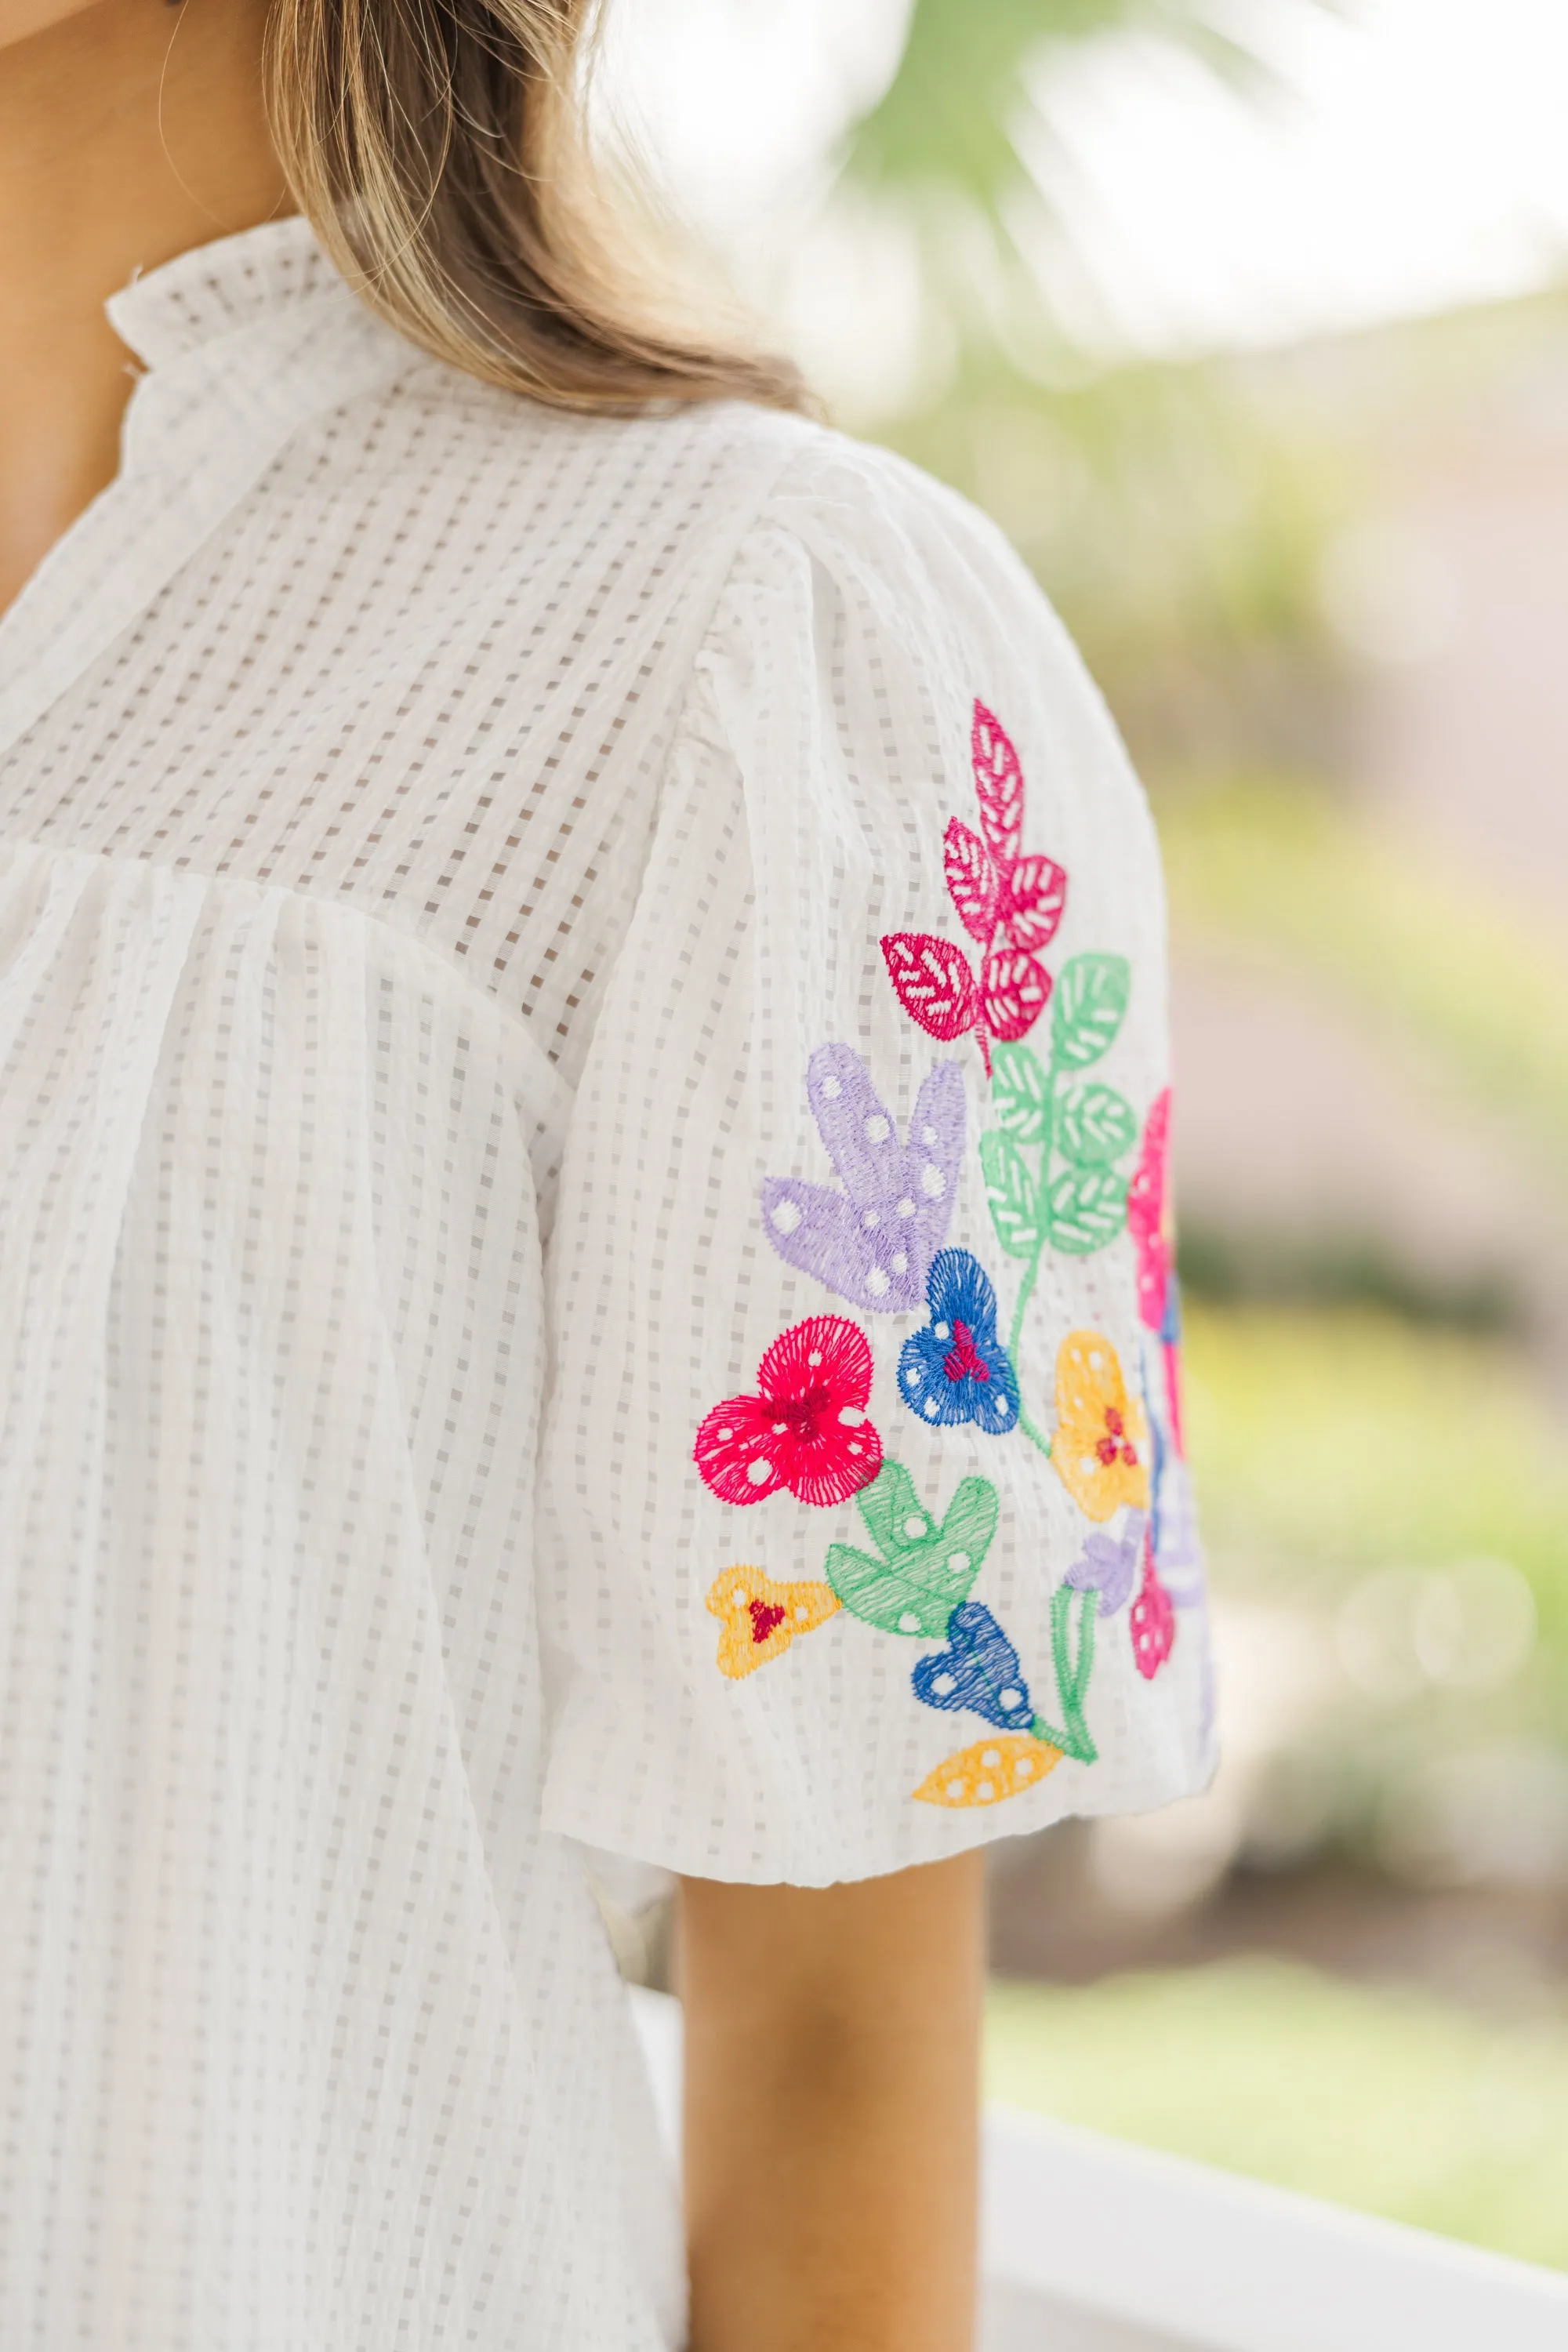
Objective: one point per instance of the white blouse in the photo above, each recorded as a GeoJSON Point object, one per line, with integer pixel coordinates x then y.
{"type": "Point", "coordinates": [583, 1256]}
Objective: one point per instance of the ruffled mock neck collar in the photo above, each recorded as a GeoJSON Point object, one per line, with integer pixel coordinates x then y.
{"type": "Point", "coordinates": [212, 291]}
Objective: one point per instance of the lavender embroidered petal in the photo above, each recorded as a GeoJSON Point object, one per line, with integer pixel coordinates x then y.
{"type": "Point", "coordinates": [1108, 1564]}
{"type": "Point", "coordinates": [874, 1242]}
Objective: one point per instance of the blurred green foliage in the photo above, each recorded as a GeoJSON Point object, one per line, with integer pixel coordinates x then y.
{"type": "Point", "coordinates": [1177, 527]}
{"type": "Point", "coordinates": [1326, 1444]}
{"type": "Point", "coordinates": [1330, 1449]}
{"type": "Point", "coordinates": [949, 118]}
{"type": "Point", "coordinates": [1390, 2100]}
{"type": "Point", "coordinates": [1279, 864]}
{"type": "Point", "coordinates": [1177, 530]}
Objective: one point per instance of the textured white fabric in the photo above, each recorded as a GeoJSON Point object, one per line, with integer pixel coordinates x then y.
{"type": "Point", "coordinates": [435, 836]}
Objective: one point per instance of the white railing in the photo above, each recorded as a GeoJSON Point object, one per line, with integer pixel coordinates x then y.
{"type": "Point", "coordinates": [1092, 2245]}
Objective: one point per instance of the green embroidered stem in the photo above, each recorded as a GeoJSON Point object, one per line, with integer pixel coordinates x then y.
{"type": "Point", "coordinates": [1032, 1270]}
{"type": "Point", "coordinates": [1033, 1435]}
{"type": "Point", "coordinates": [1073, 1197]}
{"type": "Point", "coordinates": [1072, 1674]}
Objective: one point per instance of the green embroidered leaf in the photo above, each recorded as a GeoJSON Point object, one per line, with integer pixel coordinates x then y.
{"type": "Point", "coordinates": [1086, 1209]}
{"type": "Point", "coordinates": [926, 1569]}
{"type": "Point", "coordinates": [890, 1507]}
{"type": "Point", "coordinates": [1090, 999]}
{"type": "Point", "coordinates": [1095, 1125]}
{"type": "Point", "coordinates": [1018, 1090]}
{"type": "Point", "coordinates": [1012, 1192]}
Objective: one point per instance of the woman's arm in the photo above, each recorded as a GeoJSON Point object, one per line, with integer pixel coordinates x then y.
{"type": "Point", "coordinates": [831, 2105]}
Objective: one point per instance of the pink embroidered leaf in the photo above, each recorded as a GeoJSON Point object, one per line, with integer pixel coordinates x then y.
{"type": "Point", "coordinates": [1146, 1216]}
{"type": "Point", "coordinates": [998, 784]}
{"type": "Point", "coordinates": [972, 882]}
{"type": "Point", "coordinates": [1014, 990]}
{"type": "Point", "coordinates": [1152, 1619]}
{"type": "Point", "coordinates": [935, 983]}
{"type": "Point", "coordinates": [805, 1430]}
{"type": "Point", "coordinates": [1032, 900]}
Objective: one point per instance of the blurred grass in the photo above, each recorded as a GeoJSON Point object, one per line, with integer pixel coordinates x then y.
{"type": "Point", "coordinates": [1327, 1442]}
{"type": "Point", "coordinates": [1390, 2100]}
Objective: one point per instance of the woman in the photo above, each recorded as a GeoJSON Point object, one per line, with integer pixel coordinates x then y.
{"type": "Point", "coordinates": [584, 1254]}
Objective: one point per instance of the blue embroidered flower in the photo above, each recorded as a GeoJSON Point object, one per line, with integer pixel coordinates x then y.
{"type": "Point", "coordinates": [957, 1368]}
{"type": "Point", "coordinates": [978, 1672]}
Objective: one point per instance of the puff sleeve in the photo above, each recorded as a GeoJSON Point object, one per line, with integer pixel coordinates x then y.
{"type": "Point", "coordinates": [865, 1522]}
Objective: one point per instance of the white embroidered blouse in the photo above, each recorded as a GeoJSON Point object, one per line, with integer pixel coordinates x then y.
{"type": "Point", "coordinates": [583, 1256]}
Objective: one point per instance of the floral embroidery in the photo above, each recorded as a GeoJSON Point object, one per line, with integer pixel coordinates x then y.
{"type": "Point", "coordinates": [978, 1671]}
{"type": "Point", "coordinates": [989, 1771]}
{"type": "Point", "coordinates": [1051, 1178]}
{"type": "Point", "coordinates": [759, 1619]}
{"type": "Point", "coordinates": [1009, 904]}
{"type": "Point", "coordinates": [1102, 1442]}
{"type": "Point", "coordinates": [1148, 1213]}
{"type": "Point", "coordinates": [1178, 1552]}
{"type": "Point", "coordinates": [919, 1584]}
{"type": "Point", "coordinates": [956, 1368]}
{"type": "Point", "coordinates": [1109, 1564]}
{"type": "Point", "coordinates": [1152, 1620]}
{"type": "Point", "coordinates": [923, 1569]}
{"type": "Point", "coordinates": [1056, 1172]}
{"type": "Point", "coordinates": [805, 1430]}
{"type": "Point", "coordinates": [874, 1242]}
{"type": "Point", "coordinates": [1152, 1227]}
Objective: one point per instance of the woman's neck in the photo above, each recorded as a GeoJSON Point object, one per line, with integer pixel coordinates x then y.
{"type": "Point", "coordinates": [130, 131]}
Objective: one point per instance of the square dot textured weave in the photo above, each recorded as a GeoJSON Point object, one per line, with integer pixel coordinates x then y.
{"type": "Point", "coordinates": [583, 1256]}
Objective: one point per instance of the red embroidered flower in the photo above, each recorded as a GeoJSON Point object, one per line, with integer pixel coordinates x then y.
{"type": "Point", "coordinates": [1152, 1618]}
{"type": "Point", "coordinates": [1008, 903]}
{"type": "Point", "coordinates": [807, 1428]}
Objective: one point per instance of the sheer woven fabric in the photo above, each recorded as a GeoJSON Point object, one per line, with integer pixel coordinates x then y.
{"type": "Point", "coordinates": [435, 837]}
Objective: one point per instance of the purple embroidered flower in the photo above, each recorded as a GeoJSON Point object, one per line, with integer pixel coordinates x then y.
{"type": "Point", "coordinates": [956, 1368]}
{"type": "Point", "coordinates": [1108, 1564]}
{"type": "Point", "coordinates": [874, 1242]}
{"type": "Point", "coordinates": [1178, 1549]}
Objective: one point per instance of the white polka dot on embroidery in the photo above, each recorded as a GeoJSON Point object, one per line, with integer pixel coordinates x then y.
{"type": "Point", "coordinates": [786, 1216]}
{"type": "Point", "coordinates": [877, 1129]}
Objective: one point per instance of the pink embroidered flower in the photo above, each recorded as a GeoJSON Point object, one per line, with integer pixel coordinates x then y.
{"type": "Point", "coordinates": [1152, 1618]}
{"type": "Point", "coordinates": [1148, 1214]}
{"type": "Point", "coordinates": [1153, 1229]}
{"type": "Point", "coordinates": [807, 1428]}
{"type": "Point", "coordinates": [1009, 904]}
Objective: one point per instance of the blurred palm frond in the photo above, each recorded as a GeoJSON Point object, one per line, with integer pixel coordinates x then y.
{"type": "Point", "coordinates": [948, 119]}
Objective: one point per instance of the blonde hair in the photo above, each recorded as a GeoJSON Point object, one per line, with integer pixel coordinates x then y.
{"type": "Point", "coordinates": [439, 149]}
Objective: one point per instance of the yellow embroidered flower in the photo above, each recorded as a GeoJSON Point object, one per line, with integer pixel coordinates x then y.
{"type": "Point", "coordinates": [759, 1619]}
{"type": "Point", "coordinates": [1102, 1442]}
{"type": "Point", "coordinates": [989, 1771]}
